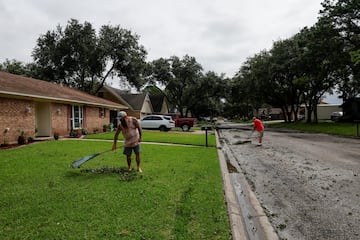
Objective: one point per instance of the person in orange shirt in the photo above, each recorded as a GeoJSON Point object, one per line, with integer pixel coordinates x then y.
{"type": "Point", "coordinates": [131, 130]}
{"type": "Point", "coordinates": [259, 126]}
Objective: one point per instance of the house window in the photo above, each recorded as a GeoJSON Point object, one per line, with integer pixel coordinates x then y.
{"type": "Point", "coordinates": [77, 113]}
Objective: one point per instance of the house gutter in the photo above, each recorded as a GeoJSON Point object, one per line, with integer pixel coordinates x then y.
{"type": "Point", "coordinates": [61, 100]}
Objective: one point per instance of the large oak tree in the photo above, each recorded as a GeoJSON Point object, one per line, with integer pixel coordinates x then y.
{"type": "Point", "coordinates": [77, 57]}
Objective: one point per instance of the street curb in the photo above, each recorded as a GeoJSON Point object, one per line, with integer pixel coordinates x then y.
{"type": "Point", "coordinates": [241, 226]}
{"type": "Point", "coordinates": [236, 223]}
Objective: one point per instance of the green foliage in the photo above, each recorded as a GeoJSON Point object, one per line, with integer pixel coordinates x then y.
{"type": "Point", "coordinates": [355, 57]}
{"type": "Point", "coordinates": [321, 60]}
{"type": "Point", "coordinates": [187, 88]}
{"type": "Point", "coordinates": [301, 69]}
{"type": "Point", "coordinates": [122, 54]}
{"type": "Point", "coordinates": [153, 90]}
{"type": "Point", "coordinates": [179, 195]}
{"type": "Point", "coordinates": [17, 67]}
{"type": "Point", "coordinates": [179, 76]}
{"type": "Point", "coordinates": [329, 127]}
{"type": "Point", "coordinates": [206, 95]}
{"type": "Point", "coordinates": [344, 15]}
{"type": "Point", "coordinates": [76, 57]}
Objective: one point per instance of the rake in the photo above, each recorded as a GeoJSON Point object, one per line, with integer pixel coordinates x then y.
{"type": "Point", "coordinates": [81, 161]}
{"type": "Point", "coordinates": [247, 140]}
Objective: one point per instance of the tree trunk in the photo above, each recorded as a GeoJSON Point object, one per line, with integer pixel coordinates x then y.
{"type": "Point", "coordinates": [309, 113]}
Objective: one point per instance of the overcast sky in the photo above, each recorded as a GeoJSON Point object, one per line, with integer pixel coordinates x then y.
{"type": "Point", "coordinates": [220, 34]}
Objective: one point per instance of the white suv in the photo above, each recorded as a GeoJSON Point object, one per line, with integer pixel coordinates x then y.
{"type": "Point", "coordinates": [163, 123]}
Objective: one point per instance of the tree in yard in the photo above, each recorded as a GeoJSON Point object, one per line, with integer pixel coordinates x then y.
{"type": "Point", "coordinates": [344, 16]}
{"type": "Point", "coordinates": [20, 68]}
{"type": "Point", "coordinates": [78, 58]}
{"type": "Point", "coordinates": [321, 62]}
{"type": "Point", "coordinates": [179, 76]}
{"type": "Point", "coordinates": [237, 103]}
{"type": "Point", "coordinates": [355, 57]}
{"type": "Point", "coordinates": [15, 67]}
{"type": "Point", "coordinates": [122, 55]}
{"type": "Point", "coordinates": [249, 86]}
{"type": "Point", "coordinates": [283, 80]}
{"type": "Point", "coordinates": [207, 95]}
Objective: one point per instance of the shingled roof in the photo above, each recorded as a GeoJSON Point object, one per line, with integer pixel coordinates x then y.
{"type": "Point", "coordinates": [134, 101]}
{"type": "Point", "coordinates": [16, 86]}
{"type": "Point", "coordinates": [157, 102]}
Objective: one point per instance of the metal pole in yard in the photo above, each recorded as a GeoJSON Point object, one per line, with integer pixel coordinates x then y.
{"type": "Point", "coordinates": [206, 128]}
{"type": "Point", "coordinates": [206, 132]}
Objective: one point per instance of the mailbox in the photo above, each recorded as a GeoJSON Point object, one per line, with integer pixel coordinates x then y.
{"type": "Point", "coordinates": [206, 128]}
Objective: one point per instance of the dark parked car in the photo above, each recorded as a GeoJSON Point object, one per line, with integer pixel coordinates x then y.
{"type": "Point", "coordinates": [335, 116]}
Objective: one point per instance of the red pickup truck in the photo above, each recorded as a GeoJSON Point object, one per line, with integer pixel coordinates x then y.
{"type": "Point", "coordinates": [184, 123]}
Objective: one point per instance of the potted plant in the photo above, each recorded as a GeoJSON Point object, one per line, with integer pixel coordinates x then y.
{"type": "Point", "coordinates": [72, 133]}
{"type": "Point", "coordinates": [78, 132]}
{"type": "Point", "coordinates": [21, 137]}
{"type": "Point", "coordinates": [56, 135]}
{"type": "Point", "coordinates": [30, 139]}
{"type": "Point", "coordinates": [84, 131]}
{"type": "Point", "coordinates": [6, 138]}
{"type": "Point", "coordinates": [95, 130]}
{"type": "Point", "coordinates": [105, 126]}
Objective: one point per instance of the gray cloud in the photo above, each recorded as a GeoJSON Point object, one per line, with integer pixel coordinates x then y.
{"type": "Point", "coordinates": [221, 34]}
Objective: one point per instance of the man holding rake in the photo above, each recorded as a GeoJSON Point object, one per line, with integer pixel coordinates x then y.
{"type": "Point", "coordinates": [258, 126]}
{"type": "Point", "coordinates": [131, 130]}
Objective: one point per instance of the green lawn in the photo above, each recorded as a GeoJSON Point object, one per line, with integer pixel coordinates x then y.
{"type": "Point", "coordinates": [179, 195]}
{"type": "Point", "coordinates": [198, 139]}
{"type": "Point", "coordinates": [329, 127]}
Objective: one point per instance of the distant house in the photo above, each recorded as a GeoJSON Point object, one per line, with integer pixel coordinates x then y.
{"type": "Point", "coordinates": [160, 104]}
{"type": "Point", "coordinates": [139, 104]}
{"type": "Point", "coordinates": [324, 111]}
{"type": "Point", "coordinates": [40, 108]}
{"type": "Point", "coordinates": [270, 113]}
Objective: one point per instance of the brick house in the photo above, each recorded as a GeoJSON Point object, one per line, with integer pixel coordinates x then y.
{"type": "Point", "coordinates": [40, 108]}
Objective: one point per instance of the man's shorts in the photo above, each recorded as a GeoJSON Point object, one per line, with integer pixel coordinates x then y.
{"type": "Point", "coordinates": [128, 150]}
{"type": "Point", "coordinates": [261, 133]}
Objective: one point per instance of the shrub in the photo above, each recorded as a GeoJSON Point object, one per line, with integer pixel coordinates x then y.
{"type": "Point", "coordinates": [21, 138]}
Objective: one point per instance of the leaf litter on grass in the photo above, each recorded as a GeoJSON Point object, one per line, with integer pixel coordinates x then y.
{"type": "Point", "coordinates": [124, 174]}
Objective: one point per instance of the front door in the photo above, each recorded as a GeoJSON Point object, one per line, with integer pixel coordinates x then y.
{"type": "Point", "coordinates": [42, 119]}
